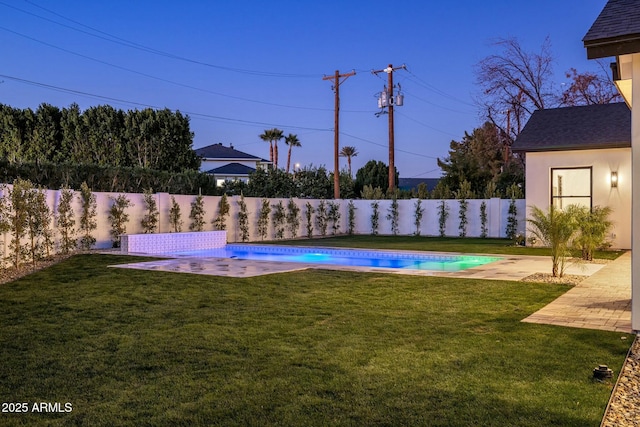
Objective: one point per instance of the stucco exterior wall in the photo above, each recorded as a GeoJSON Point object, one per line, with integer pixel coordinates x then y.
{"type": "Point", "coordinates": [603, 162]}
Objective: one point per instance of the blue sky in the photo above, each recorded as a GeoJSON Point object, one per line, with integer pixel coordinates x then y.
{"type": "Point", "coordinates": [240, 67]}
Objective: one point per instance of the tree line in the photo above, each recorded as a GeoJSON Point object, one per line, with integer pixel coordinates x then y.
{"type": "Point", "coordinates": [100, 135]}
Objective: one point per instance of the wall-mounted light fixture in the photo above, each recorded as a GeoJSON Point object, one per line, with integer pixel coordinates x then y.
{"type": "Point", "coordinates": [614, 179]}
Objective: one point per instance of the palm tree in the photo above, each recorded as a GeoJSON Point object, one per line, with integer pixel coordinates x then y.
{"type": "Point", "coordinates": [292, 141]}
{"type": "Point", "coordinates": [266, 137]}
{"type": "Point", "coordinates": [348, 152]}
{"type": "Point", "coordinates": [273, 136]}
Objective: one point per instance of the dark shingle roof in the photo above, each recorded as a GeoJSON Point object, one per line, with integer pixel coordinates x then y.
{"type": "Point", "coordinates": [616, 31]}
{"type": "Point", "coordinates": [232, 169]}
{"type": "Point", "coordinates": [576, 128]}
{"type": "Point", "coordinates": [219, 151]}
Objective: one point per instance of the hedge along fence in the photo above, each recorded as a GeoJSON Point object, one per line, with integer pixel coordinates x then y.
{"type": "Point", "coordinates": [496, 224]}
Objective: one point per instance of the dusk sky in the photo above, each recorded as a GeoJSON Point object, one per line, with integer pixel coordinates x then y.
{"type": "Point", "coordinates": [240, 67]}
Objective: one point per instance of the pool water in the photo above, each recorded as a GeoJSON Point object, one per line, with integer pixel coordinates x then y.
{"type": "Point", "coordinates": [343, 257]}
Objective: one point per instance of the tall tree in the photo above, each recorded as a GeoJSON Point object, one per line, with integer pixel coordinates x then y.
{"type": "Point", "coordinates": [273, 136]}
{"type": "Point", "coordinates": [514, 83]}
{"type": "Point", "coordinates": [46, 139]}
{"type": "Point", "coordinates": [481, 158]}
{"type": "Point", "coordinates": [348, 152]}
{"type": "Point", "coordinates": [292, 141]}
{"type": "Point", "coordinates": [589, 88]}
{"type": "Point", "coordinates": [373, 173]}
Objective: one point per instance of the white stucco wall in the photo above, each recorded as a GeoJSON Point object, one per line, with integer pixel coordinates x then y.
{"type": "Point", "coordinates": [603, 162]}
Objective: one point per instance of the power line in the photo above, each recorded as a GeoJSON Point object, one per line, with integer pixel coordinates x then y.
{"type": "Point", "coordinates": [133, 45]}
{"type": "Point", "coordinates": [432, 88]}
{"type": "Point", "coordinates": [127, 102]}
{"type": "Point", "coordinates": [385, 146]}
{"type": "Point", "coordinates": [140, 73]}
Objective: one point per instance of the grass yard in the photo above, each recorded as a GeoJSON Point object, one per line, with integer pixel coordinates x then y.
{"type": "Point", "coordinates": [314, 348]}
{"type": "Point", "coordinates": [438, 244]}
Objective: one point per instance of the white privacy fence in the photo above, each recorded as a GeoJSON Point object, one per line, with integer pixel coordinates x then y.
{"type": "Point", "coordinates": [497, 213]}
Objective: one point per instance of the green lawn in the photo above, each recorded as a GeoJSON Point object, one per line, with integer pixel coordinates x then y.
{"type": "Point", "coordinates": [312, 348]}
{"type": "Point", "coordinates": [440, 244]}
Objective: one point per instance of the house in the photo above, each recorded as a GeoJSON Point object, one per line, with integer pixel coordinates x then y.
{"type": "Point", "coordinates": [228, 164]}
{"type": "Point", "coordinates": [616, 32]}
{"type": "Point", "coordinates": [581, 155]}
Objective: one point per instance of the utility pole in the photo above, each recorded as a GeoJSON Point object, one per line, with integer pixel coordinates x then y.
{"type": "Point", "coordinates": [387, 100]}
{"type": "Point", "coordinates": [336, 127]}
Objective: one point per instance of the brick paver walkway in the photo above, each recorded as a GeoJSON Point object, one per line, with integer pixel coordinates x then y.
{"type": "Point", "coordinates": [602, 301]}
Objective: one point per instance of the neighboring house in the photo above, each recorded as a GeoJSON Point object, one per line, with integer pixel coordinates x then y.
{"type": "Point", "coordinates": [581, 155]}
{"type": "Point", "coordinates": [228, 164]}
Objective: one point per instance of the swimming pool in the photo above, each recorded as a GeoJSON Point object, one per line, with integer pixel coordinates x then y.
{"type": "Point", "coordinates": [343, 257]}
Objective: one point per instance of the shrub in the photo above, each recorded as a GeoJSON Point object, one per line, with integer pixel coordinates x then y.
{"type": "Point", "coordinates": [118, 217]}
{"type": "Point", "coordinates": [483, 220]}
{"type": "Point", "coordinates": [352, 217]}
{"type": "Point", "coordinates": [243, 219]}
{"type": "Point", "coordinates": [88, 215]}
{"type": "Point", "coordinates": [393, 215]}
{"type": "Point", "coordinates": [418, 212]}
{"type": "Point", "coordinates": [322, 220]}
{"type": "Point", "coordinates": [66, 222]}
{"type": "Point", "coordinates": [149, 221]}
{"type": "Point", "coordinates": [220, 222]}
{"type": "Point", "coordinates": [175, 216]}
{"type": "Point", "coordinates": [293, 218]}
{"type": "Point", "coordinates": [309, 211]}
{"type": "Point", "coordinates": [279, 218]}
{"type": "Point", "coordinates": [333, 217]}
{"type": "Point", "coordinates": [593, 227]}
{"type": "Point", "coordinates": [263, 219]}
{"type": "Point", "coordinates": [555, 229]}
{"type": "Point", "coordinates": [197, 214]}
{"type": "Point", "coordinates": [443, 214]}
{"type": "Point", "coordinates": [375, 217]}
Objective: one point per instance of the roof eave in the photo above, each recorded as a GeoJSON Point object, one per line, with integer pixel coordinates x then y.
{"type": "Point", "coordinates": [571, 147]}
{"type": "Point", "coordinates": [605, 48]}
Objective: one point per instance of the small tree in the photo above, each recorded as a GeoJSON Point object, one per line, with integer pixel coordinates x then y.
{"type": "Point", "coordinates": [483, 220]}
{"type": "Point", "coordinates": [351, 209]}
{"type": "Point", "coordinates": [18, 218]}
{"type": "Point", "coordinates": [220, 222]}
{"type": "Point", "coordinates": [393, 215]}
{"type": "Point", "coordinates": [88, 214]}
{"type": "Point", "coordinates": [39, 224]}
{"type": "Point", "coordinates": [443, 214]}
{"type": "Point", "coordinates": [333, 217]}
{"type": "Point", "coordinates": [175, 216]}
{"type": "Point", "coordinates": [593, 226]}
{"type": "Point", "coordinates": [293, 218]}
{"type": "Point", "coordinates": [462, 194]}
{"type": "Point", "coordinates": [263, 219]}
{"type": "Point", "coordinates": [149, 221]}
{"type": "Point", "coordinates": [243, 219]}
{"type": "Point", "coordinates": [555, 229]}
{"type": "Point", "coordinates": [279, 218]}
{"type": "Point", "coordinates": [418, 212]}
{"type": "Point", "coordinates": [309, 211]}
{"type": "Point", "coordinates": [118, 217]}
{"type": "Point", "coordinates": [321, 218]}
{"type": "Point", "coordinates": [66, 222]}
{"type": "Point", "coordinates": [375, 217]}
{"type": "Point", "coordinates": [197, 214]}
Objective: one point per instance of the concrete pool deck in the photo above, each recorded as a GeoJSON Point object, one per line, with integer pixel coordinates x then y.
{"type": "Point", "coordinates": [601, 301]}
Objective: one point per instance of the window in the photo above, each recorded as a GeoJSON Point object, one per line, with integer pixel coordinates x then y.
{"type": "Point", "coordinates": [571, 186]}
